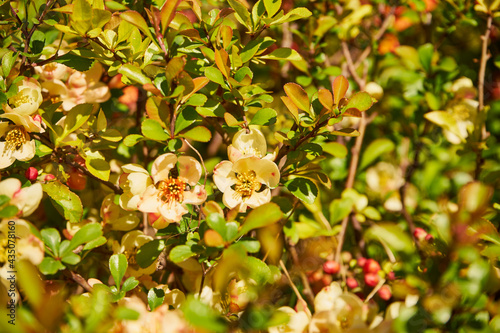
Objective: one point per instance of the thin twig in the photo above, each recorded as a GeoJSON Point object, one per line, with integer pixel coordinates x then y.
{"type": "Point", "coordinates": [479, 121]}
{"type": "Point", "coordinates": [201, 159]}
{"type": "Point", "coordinates": [294, 287]}
{"type": "Point", "coordinates": [79, 280]}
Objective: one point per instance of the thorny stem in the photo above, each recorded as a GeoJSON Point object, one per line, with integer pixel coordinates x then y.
{"type": "Point", "coordinates": [479, 129]}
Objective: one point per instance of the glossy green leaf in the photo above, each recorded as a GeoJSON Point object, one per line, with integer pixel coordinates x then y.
{"type": "Point", "coordinates": [136, 19]}
{"type": "Point", "coordinates": [260, 217]}
{"type": "Point", "coordinates": [76, 62]}
{"type": "Point", "coordinates": [272, 7]}
{"type": "Point", "coordinates": [293, 15]}
{"type": "Point", "coordinates": [8, 211]}
{"type": "Point", "coordinates": [425, 53]}
{"type": "Point", "coordinates": [130, 284]}
{"type": "Point", "coordinates": [264, 117]}
{"type": "Point", "coordinates": [346, 132]}
{"type": "Point", "coordinates": [118, 266]}
{"type": "Point", "coordinates": [181, 253]}
{"type": "Point", "coordinates": [167, 13]}
{"type": "Point", "coordinates": [241, 11]}
{"type": "Point", "coordinates": [65, 201]}
{"type": "Point", "coordinates": [303, 188]}
{"type": "Point", "coordinates": [87, 233]}
{"type": "Point", "coordinates": [134, 73]}
{"type": "Point", "coordinates": [361, 101]}
{"type": "Point", "coordinates": [51, 239]}
{"type": "Point", "coordinates": [392, 236]}
{"type": "Point", "coordinates": [446, 121]}
{"type": "Point", "coordinates": [198, 133]}
{"type": "Point", "coordinates": [336, 149]}
{"type": "Point", "coordinates": [283, 54]}
{"type": "Point", "coordinates": [156, 296]}
{"type": "Point", "coordinates": [149, 252]}
{"type": "Point", "coordinates": [97, 164]}
{"type": "Point", "coordinates": [215, 75]}
{"type": "Point", "coordinates": [8, 61]}
{"type": "Point", "coordinates": [258, 270]}
{"type": "Point", "coordinates": [50, 266]}
{"type": "Point", "coordinates": [132, 139]}
{"type": "Point", "coordinates": [339, 209]}
{"type": "Point", "coordinates": [375, 149]}
{"type": "Point", "coordinates": [151, 129]}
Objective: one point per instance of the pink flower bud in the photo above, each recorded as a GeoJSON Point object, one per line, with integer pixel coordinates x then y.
{"type": "Point", "coordinates": [31, 174]}
{"type": "Point", "coordinates": [352, 283]}
{"type": "Point", "coordinates": [385, 293]}
{"type": "Point", "coordinates": [49, 177]}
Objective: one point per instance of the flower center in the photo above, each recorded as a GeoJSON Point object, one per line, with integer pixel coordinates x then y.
{"type": "Point", "coordinates": [16, 137]}
{"type": "Point", "coordinates": [171, 190]}
{"type": "Point", "coordinates": [20, 99]}
{"type": "Point", "coordinates": [130, 255]}
{"type": "Point", "coordinates": [246, 183]}
{"type": "Point", "coordinates": [50, 67]}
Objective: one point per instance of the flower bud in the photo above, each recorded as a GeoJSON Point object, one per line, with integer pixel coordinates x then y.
{"type": "Point", "coordinates": [31, 173]}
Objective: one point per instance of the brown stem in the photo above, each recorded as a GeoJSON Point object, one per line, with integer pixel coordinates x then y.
{"type": "Point", "coordinates": [79, 280]}
{"type": "Point", "coordinates": [308, 293]}
{"type": "Point", "coordinates": [479, 129]}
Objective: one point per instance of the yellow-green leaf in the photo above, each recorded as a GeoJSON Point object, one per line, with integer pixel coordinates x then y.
{"type": "Point", "coordinates": [298, 96]}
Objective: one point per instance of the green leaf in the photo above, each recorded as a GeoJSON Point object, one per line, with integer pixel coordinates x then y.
{"type": "Point", "coordinates": [118, 266]}
{"type": "Point", "coordinates": [167, 13]}
{"type": "Point", "coordinates": [130, 284]}
{"type": "Point", "coordinates": [75, 62]}
{"type": "Point", "coordinates": [136, 19]}
{"type": "Point", "coordinates": [303, 188]}
{"type": "Point", "coordinates": [65, 201]}
{"type": "Point", "coordinates": [425, 53]}
{"type": "Point", "coordinates": [361, 101]}
{"type": "Point", "coordinates": [51, 239]}
{"type": "Point", "coordinates": [9, 211]}
{"type": "Point", "coordinates": [336, 149]}
{"type": "Point", "coordinates": [251, 245]}
{"type": "Point", "coordinates": [272, 7]}
{"type": "Point", "coordinates": [339, 209]}
{"type": "Point", "coordinates": [258, 271]}
{"type": "Point", "coordinates": [185, 118]}
{"type": "Point", "coordinates": [376, 148]}
{"type": "Point", "coordinates": [294, 14]}
{"type": "Point", "coordinates": [87, 233]}
{"type": "Point", "coordinates": [4, 199]}
{"type": "Point", "coordinates": [298, 96]}
{"type": "Point", "coordinates": [215, 75]}
{"type": "Point", "coordinates": [97, 164]}
{"type": "Point", "coordinates": [152, 129]}
{"type": "Point", "coordinates": [392, 236]}
{"type": "Point", "coordinates": [95, 243]}
{"type": "Point", "coordinates": [134, 73]}
{"type": "Point", "coordinates": [283, 54]}
{"type": "Point", "coordinates": [156, 296]}
{"type": "Point", "coordinates": [261, 216]}
{"type": "Point", "coordinates": [71, 258]}
{"type": "Point", "coordinates": [76, 117]}
{"type": "Point", "coordinates": [242, 12]}
{"type": "Point", "coordinates": [149, 252]}
{"type": "Point", "coordinates": [8, 61]}
{"type": "Point", "coordinates": [203, 316]}
{"type": "Point", "coordinates": [264, 117]}
{"type": "Point", "coordinates": [345, 132]}
{"type": "Point", "coordinates": [181, 253]}
{"type": "Point", "coordinates": [111, 134]}
{"type": "Point", "coordinates": [198, 133]}
{"type": "Point", "coordinates": [216, 222]}
{"type": "Point", "coordinates": [132, 139]}
{"type": "Point", "coordinates": [254, 46]}
{"type": "Point", "coordinates": [50, 266]}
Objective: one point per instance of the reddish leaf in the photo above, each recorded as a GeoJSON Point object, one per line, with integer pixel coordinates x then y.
{"type": "Point", "coordinates": [298, 96]}
{"type": "Point", "coordinates": [168, 13]}
{"type": "Point", "coordinates": [339, 88]}
{"type": "Point", "coordinates": [325, 98]}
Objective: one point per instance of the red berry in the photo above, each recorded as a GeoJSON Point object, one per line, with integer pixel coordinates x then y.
{"type": "Point", "coordinates": [371, 279]}
{"type": "Point", "coordinates": [429, 237]}
{"type": "Point", "coordinates": [31, 173]}
{"type": "Point", "coordinates": [361, 261]}
{"type": "Point", "coordinates": [351, 283]}
{"type": "Point", "coordinates": [331, 267]}
{"type": "Point", "coordinates": [391, 276]}
{"type": "Point", "coordinates": [419, 233]}
{"type": "Point", "coordinates": [385, 293]}
{"type": "Point", "coordinates": [371, 266]}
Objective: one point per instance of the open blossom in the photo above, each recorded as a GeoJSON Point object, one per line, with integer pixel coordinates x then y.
{"type": "Point", "coordinates": [15, 143]}
{"type": "Point", "coordinates": [80, 88]}
{"type": "Point", "coordinates": [26, 199]}
{"type": "Point", "coordinates": [246, 182]}
{"type": "Point", "coordinates": [171, 186]}
{"type": "Point", "coordinates": [252, 143]}
{"type": "Point", "coordinates": [27, 100]}
{"type": "Point", "coordinates": [115, 216]}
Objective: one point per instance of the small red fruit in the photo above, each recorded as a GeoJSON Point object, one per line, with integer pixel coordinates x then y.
{"type": "Point", "coordinates": [429, 237]}
{"type": "Point", "coordinates": [31, 174]}
{"type": "Point", "coordinates": [391, 276]}
{"type": "Point", "coordinates": [385, 293]}
{"type": "Point", "coordinates": [361, 261]}
{"type": "Point", "coordinates": [49, 177]}
{"type": "Point", "coordinates": [351, 282]}
{"type": "Point", "coordinates": [77, 181]}
{"type": "Point", "coordinates": [420, 234]}
{"type": "Point", "coordinates": [371, 279]}
{"type": "Point", "coordinates": [371, 266]}
{"type": "Point", "coordinates": [331, 267]}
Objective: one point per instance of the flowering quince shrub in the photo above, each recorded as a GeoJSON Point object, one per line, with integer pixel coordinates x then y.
{"type": "Point", "coordinates": [250, 166]}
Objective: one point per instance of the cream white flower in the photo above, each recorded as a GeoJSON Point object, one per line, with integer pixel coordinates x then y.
{"type": "Point", "coordinates": [174, 185]}
{"type": "Point", "coordinates": [134, 181]}
{"type": "Point", "coordinates": [298, 323]}
{"type": "Point", "coordinates": [252, 143]}
{"type": "Point", "coordinates": [53, 71]}
{"type": "Point", "coordinates": [16, 145]}
{"type": "Point", "coordinates": [116, 217]}
{"type": "Point", "coordinates": [246, 182]}
{"type": "Point", "coordinates": [25, 199]}
{"type": "Point", "coordinates": [27, 100]}
{"type": "Point", "coordinates": [131, 242]}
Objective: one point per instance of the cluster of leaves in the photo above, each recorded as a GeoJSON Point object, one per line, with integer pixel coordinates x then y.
{"type": "Point", "coordinates": [391, 83]}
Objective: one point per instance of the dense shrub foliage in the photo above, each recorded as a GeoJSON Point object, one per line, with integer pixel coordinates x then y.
{"type": "Point", "coordinates": [247, 166]}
